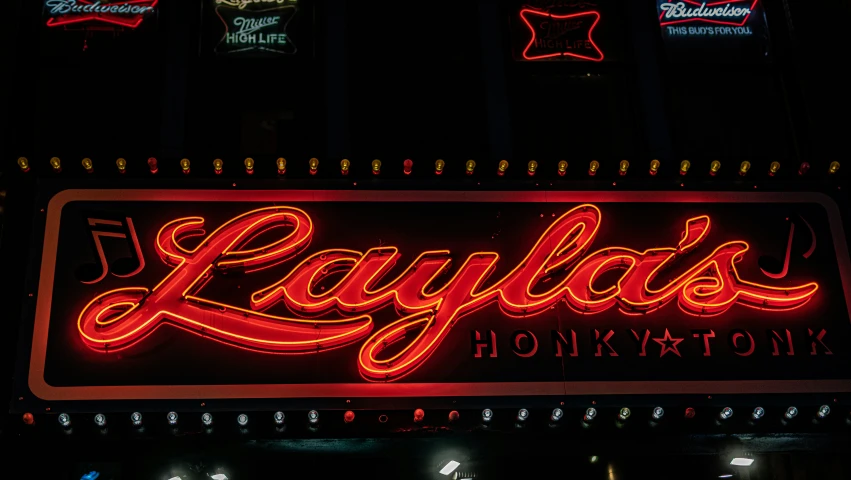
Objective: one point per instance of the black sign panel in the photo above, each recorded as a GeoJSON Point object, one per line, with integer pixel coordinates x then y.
{"type": "Point", "coordinates": [293, 294]}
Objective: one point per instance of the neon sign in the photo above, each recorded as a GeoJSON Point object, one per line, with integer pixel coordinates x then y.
{"type": "Point", "coordinates": [690, 17]}
{"type": "Point", "coordinates": [252, 30]}
{"type": "Point", "coordinates": [128, 14]}
{"type": "Point", "coordinates": [561, 36]}
{"type": "Point", "coordinates": [560, 267]}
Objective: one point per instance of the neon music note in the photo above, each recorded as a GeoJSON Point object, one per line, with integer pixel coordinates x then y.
{"type": "Point", "coordinates": [783, 271]}
{"type": "Point", "coordinates": [122, 267]}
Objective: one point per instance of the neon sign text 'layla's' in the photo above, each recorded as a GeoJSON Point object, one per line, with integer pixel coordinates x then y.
{"type": "Point", "coordinates": [429, 303]}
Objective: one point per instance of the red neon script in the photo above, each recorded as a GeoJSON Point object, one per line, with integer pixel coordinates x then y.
{"type": "Point", "coordinates": [428, 306]}
{"type": "Point", "coordinates": [561, 35]}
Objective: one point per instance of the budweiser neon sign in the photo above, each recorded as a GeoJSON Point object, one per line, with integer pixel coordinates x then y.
{"type": "Point", "coordinates": [560, 267]}
{"type": "Point", "coordinates": [730, 12]}
{"type": "Point", "coordinates": [129, 14]}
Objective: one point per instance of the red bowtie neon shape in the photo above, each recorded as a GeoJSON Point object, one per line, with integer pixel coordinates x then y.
{"type": "Point", "coordinates": [534, 19]}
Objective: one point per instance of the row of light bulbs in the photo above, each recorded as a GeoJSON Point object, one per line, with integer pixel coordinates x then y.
{"type": "Point", "coordinates": [488, 415]}
{"type": "Point", "coordinates": [439, 166]}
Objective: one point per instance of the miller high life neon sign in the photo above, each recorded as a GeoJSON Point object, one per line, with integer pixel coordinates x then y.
{"type": "Point", "coordinates": [301, 290]}
{"type": "Point", "coordinates": [127, 14]}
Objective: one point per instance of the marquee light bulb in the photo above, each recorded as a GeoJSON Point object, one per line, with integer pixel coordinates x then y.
{"type": "Point", "coordinates": [184, 165]}
{"type": "Point", "coordinates": [24, 164]}
{"type": "Point", "coordinates": [744, 168]}
{"type": "Point", "coordinates": [804, 168]}
{"type": "Point", "coordinates": [593, 167]}
{"type": "Point", "coordinates": [624, 414]}
{"type": "Point", "coordinates": [623, 167]}
{"type": "Point", "coordinates": [282, 166]}
{"type": "Point", "coordinates": [726, 413]}
{"type": "Point", "coordinates": [100, 420]}
{"type": "Point", "coordinates": [684, 166]}
{"type": "Point", "coordinates": [773, 168]}
{"type": "Point", "coordinates": [242, 419]}
{"type": "Point", "coordinates": [758, 413]}
{"type": "Point", "coordinates": [654, 166]}
{"type": "Point", "coordinates": [218, 164]}
{"type": "Point", "coordinates": [503, 166]}
{"type": "Point", "coordinates": [207, 419]}
{"type": "Point", "coordinates": [791, 413]}
{"type": "Point", "coordinates": [280, 418]}
{"type": "Point", "coordinates": [522, 415]}
{"type": "Point", "coordinates": [562, 168]}
{"type": "Point", "coordinates": [56, 164]}
{"type": "Point", "coordinates": [349, 416]}
{"type": "Point", "coordinates": [136, 419]}
{"type": "Point", "coordinates": [556, 415]}
{"type": "Point", "coordinates": [88, 166]}
{"type": "Point", "coordinates": [531, 168]}
{"type": "Point", "coordinates": [344, 166]}
{"type": "Point", "coordinates": [658, 413]}
{"type": "Point", "coordinates": [454, 416]}
{"type": "Point", "coordinates": [834, 167]}
{"type": "Point", "coordinates": [376, 166]}
{"type": "Point", "coordinates": [714, 167]}
{"type": "Point", "coordinates": [28, 418]}
{"type": "Point", "coordinates": [590, 414]}
{"type": "Point", "coordinates": [470, 166]}
{"type": "Point", "coordinates": [64, 420]}
{"type": "Point", "coordinates": [172, 418]}
{"type": "Point", "coordinates": [487, 415]}
{"type": "Point", "coordinates": [314, 165]}
{"type": "Point", "coordinates": [690, 413]}
{"type": "Point", "coordinates": [121, 164]}
{"type": "Point", "coordinates": [249, 165]}
{"type": "Point", "coordinates": [407, 166]}
{"type": "Point", "coordinates": [823, 411]}
{"type": "Point", "coordinates": [419, 415]}
{"type": "Point", "coordinates": [313, 416]}
{"type": "Point", "coordinates": [438, 166]}
{"type": "Point", "coordinates": [152, 164]}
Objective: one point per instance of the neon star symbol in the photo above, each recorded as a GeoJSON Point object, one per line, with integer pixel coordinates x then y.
{"type": "Point", "coordinates": [668, 344]}
{"type": "Point", "coordinates": [565, 38]}
{"type": "Point", "coordinates": [61, 13]}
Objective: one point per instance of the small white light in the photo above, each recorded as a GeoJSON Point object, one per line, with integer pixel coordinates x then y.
{"type": "Point", "coordinates": [487, 415]}
{"type": "Point", "coordinates": [758, 413]}
{"type": "Point", "coordinates": [556, 415]}
{"type": "Point", "coordinates": [280, 418]}
{"type": "Point", "coordinates": [624, 413]}
{"type": "Point", "coordinates": [658, 412]}
{"type": "Point", "coordinates": [726, 413]}
{"type": "Point", "coordinates": [172, 418]}
{"type": "Point", "coordinates": [449, 467]}
{"type": "Point", "coordinates": [590, 414]}
{"type": "Point", "coordinates": [174, 478]}
{"type": "Point", "coordinates": [823, 411]}
{"type": "Point", "coordinates": [742, 462]}
{"type": "Point", "coordinates": [207, 419]}
{"type": "Point", "coordinates": [313, 416]}
{"type": "Point", "coordinates": [219, 476]}
{"type": "Point", "coordinates": [726, 475]}
{"type": "Point", "coordinates": [242, 419]}
{"type": "Point", "coordinates": [136, 419]}
{"type": "Point", "coordinates": [522, 415]}
{"type": "Point", "coordinates": [791, 413]}
{"type": "Point", "coordinates": [64, 420]}
{"type": "Point", "coordinates": [100, 420]}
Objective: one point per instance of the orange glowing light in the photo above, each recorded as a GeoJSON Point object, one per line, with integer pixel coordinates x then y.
{"type": "Point", "coordinates": [119, 318]}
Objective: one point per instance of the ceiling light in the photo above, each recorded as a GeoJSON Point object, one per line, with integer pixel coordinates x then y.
{"type": "Point", "coordinates": [742, 462]}
{"type": "Point", "coordinates": [726, 475]}
{"type": "Point", "coordinates": [450, 467]}
{"type": "Point", "coordinates": [219, 476]}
